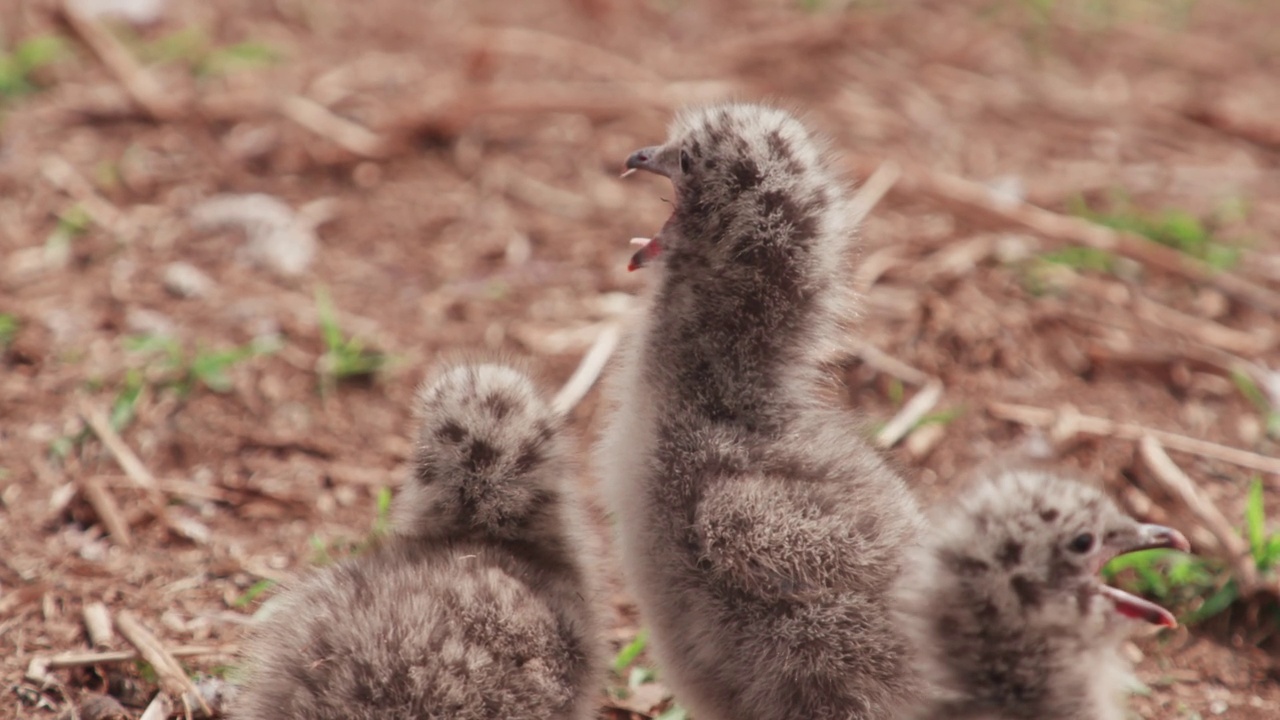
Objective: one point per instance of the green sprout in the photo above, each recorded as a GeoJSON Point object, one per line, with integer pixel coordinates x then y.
{"type": "Point", "coordinates": [344, 357]}
{"type": "Point", "coordinates": [253, 592]}
{"type": "Point", "coordinates": [210, 368]}
{"type": "Point", "coordinates": [1177, 229]}
{"type": "Point", "coordinates": [8, 331]}
{"type": "Point", "coordinates": [30, 55]}
{"type": "Point", "coordinates": [1202, 587]}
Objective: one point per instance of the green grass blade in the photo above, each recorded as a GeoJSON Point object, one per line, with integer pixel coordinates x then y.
{"type": "Point", "coordinates": [630, 651]}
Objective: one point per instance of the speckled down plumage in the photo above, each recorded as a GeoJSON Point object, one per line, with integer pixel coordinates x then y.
{"type": "Point", "coordinates": [480, 605]}
{"type": "Point", "coordinates": [759, 532]}
{"type": "Point", "coordinates": [1007, 614]}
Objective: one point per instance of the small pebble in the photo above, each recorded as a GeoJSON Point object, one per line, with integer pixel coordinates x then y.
{"type": "Point", "coordinates": [185, 280]}
{"type": "Point", "coordinates": [142, 321]}
{"type": "Point", "coordinates": [1007, 191]}
{"type": "Point", "coordinates": [1012, 248]}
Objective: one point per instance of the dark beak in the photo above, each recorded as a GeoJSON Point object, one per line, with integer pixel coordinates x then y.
{"type": "Point", "coordinates": [655, 159]}
{"type": "Point", "coordinates": [1146, 537]}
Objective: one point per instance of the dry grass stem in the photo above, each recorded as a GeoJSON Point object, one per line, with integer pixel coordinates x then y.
{"type": "Point", "coordinates": [173, 679]}
{"type": "Point", "coordinates": [1062, 228]}
{"type": "Point", "coordinates": [910, 415]}
{"type": "Point", "coordinates": [873, 190]}
{"type": "Point", "coordinates": [66, 178]}
{"type": "Point", "coordinates": [141, 85]}
{"type": "Point", "coordinates": [84, 659]}
{"type": "Point", "coordinates": [885, 363]}
{"type": "Point", "coordinates": [588, 370]}
{"type": "Point", "coordinates": [344, 133]}
{"type": "Point", "coordinates": [97, 622]}
{"type": "Point", "coordinates": [1227, 542]}
{"type": "Point", "coordinates": [1043, 418]}
{"type": "Point", "coordinates": [108, 511]}
{"type": "Point", "coordinates": [124, 456]}
{"type": "Point", "coordinates": [1207, 332]}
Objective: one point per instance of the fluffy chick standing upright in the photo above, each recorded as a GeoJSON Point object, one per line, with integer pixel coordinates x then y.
{"type": "Point", "coordinates": [758, 531]}
{"type": "Point", "coordinates": [481, 604]}
{"type": "Point", "coordinates": [1005, 603]}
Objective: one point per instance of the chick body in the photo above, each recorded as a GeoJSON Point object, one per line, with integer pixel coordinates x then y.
{"type": "Point", "coordinates": [1005, 606]}
{"type": "Point", "coordinates": [481, 604]}
{"type": "Point", "coordinates": [759, 532]}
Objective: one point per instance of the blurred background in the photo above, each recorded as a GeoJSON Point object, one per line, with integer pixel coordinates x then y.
{"type": "Point", "coordinates": [235, 235]}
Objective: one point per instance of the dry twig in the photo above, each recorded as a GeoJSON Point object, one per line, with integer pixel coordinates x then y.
{"type": "Point", "coordinates": [910, 414]}
{"type": "Point", "coordinates": [84, 659]}
{"type": "Point", "coordinates": [123, 454]}
{"type": "Point", "coordinates": [874, 190]}
{"type": "Point", "coordinates": [108, 511]}
{"type": "Point", "coordinates": [173, 679]}
{"type": "Point", "coordinates": [588, 370]}
{"type": "Point", "coordinates": [875, 265]}
{"type": "Point", "coordinates": [140, 475]}
{"type": "Point", "coordinates": [100, 211]}
{"type": "Point", "coordinates": [885, 363]}
{"type": "Point", "coordinates": [181, 488]}
{"type": "Point", "coordinates": [1228, 543]}
{"type": "Point", "coordinates": [1215, 335]}
{"type": "Point", "coordinates": [1062, 228]}
{"type": "Point", "coordinates": [97, 621]}
{"type": "Point", "coordinates": [137, 81]}
{"type": "Point", "coordinates": [1044, 417]}
{"type": "Point", "coordinates": [1200, 330]}
{"type": "Point", "coordinates": [344, 133]}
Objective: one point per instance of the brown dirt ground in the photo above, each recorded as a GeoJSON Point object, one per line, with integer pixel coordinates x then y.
{"type": "Point", "coordinates": [496, 222]}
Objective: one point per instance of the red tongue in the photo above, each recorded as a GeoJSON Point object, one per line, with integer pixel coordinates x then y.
{"type": "Point", "coordinates": [644, 255]}
{"type": "Point", "coordinates": [1132, 606]}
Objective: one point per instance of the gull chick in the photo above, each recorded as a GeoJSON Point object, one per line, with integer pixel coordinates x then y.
{"type": "Point", "coordinates": [480, 604]}
{"type": "Point", "coordinates": [1006, 606]}
{"type": "Point", "coordinates": [759, 532]}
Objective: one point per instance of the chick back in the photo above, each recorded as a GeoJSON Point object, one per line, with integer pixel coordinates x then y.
{"type": "Point", "coordinates": [481, 603]}
{"type": "Point", "coordinates": [408, 632]}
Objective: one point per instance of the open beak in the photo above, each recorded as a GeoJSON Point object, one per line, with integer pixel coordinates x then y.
{"type": "Point", "coordinates": [1147, 537]}
{"type": "Point", "coordinates": [656, 159]}
{"type": "Point", "coordinates": [649, 248]}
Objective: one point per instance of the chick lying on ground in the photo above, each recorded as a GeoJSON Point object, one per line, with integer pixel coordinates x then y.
{"type": "Point", "coordinates": [1006, 607]}
{"type": "Point", "coordinates": [481, 603]}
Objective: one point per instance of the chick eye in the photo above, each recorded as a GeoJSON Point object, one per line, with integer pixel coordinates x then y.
{"type": "Point", "coordinates": [1081, 543]}
{"type": "Point", "coordinates": [685, 162]}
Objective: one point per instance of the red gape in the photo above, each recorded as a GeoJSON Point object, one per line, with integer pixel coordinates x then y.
{"type": "Point", "coordinates": [644, 255]}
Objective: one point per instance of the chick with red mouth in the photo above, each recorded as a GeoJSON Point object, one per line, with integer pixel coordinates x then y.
{"type": "Point", "coordinates": [1006, 606]}
{"type": "Point", "coordinates": [756, 528]}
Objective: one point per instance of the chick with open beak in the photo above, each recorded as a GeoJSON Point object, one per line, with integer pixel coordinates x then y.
{"type": "Point", "coordinates": [1132, 539]}
{"type": "Point", "coordinates": [758, 531]}
{"type": "Point", "coordinates": [1006, 606]}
